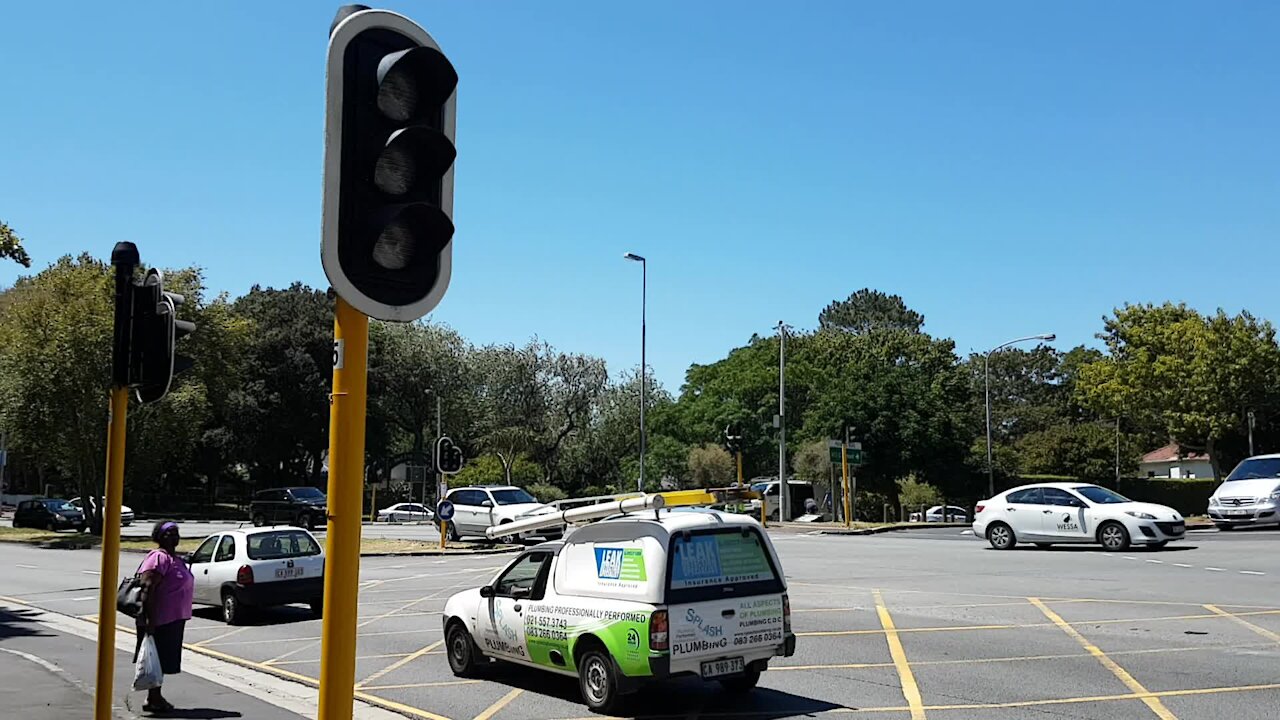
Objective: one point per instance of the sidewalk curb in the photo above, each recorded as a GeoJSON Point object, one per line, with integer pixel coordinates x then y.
{"type": "Point", "coordinates": [240, 679]}
{"type": "Point", "coordinates": [892, 528]}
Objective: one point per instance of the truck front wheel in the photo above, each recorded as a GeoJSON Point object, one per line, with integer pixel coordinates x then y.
{"type": "Point", "coordinates": [463, 659]}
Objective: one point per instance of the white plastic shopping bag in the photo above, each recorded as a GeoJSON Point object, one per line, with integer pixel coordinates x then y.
{"type": "Point", "coordinates": [147, 673]}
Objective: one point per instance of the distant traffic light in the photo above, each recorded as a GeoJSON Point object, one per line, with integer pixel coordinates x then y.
{"type": "Point", "coordinates": [388, 165]}
{"type": "Point", "coordinates": [448, 456]}
{"type": "Point", "coordinates": [153, 337]}
{"type": "Point", "coordinates": [733, 439]}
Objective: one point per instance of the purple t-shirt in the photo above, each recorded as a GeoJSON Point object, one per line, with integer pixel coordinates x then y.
{"type": "Point", "coordinates": [173, 593]}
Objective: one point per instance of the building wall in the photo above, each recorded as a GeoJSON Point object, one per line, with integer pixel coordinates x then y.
{"type": "Point", "coordinates": [1177, 469]}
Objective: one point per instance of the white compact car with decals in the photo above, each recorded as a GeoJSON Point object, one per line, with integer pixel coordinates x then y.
{"type": "Point", "coordinates": [1074, 513]}
{"type": "Point", "coordinates": [636, 597]}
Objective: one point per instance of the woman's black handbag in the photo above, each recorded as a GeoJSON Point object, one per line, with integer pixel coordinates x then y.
{"type": "Point", "coordinates": [129, 596]}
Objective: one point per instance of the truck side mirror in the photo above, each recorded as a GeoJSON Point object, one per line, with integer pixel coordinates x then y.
{"type": "Point", "coordinates": [486, 503]}
{"type": "Point", "coordinates": [486, 591]}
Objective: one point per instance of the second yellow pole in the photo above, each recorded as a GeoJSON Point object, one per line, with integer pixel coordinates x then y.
{"type": "Point", "coordinates": [110, 567]}
{"type": "Point", "coordinates": [844, 461]}
{"type": "Point", "coordinates": [346, 501]}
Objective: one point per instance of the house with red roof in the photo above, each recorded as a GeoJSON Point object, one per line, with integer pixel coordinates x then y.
{"type": "Point", "coordinates": [1171, 461]}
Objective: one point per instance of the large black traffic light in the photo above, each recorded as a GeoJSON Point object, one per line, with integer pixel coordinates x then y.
{"type": "Point", "coordinates": [448, 457]}
{"type": "Point", "coordinates": [388, 165]}
{"type": "Point", "coordinates": [153, 336]}
{"type": "Point", "coordinates": [733, 439]}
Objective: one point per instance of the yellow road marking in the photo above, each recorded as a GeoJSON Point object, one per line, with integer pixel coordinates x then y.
{"type": "Point", "coordinates": [1144, 696]}
{"type": "Point", "coordinates": [1123, 675]}
{"type": "Point", "coordinates": [503, 701]}
{"type": "Point", "coordinates": [316, 661]}
{"type": "Point", "coordinates": [15, 601]}
{"type": "Point", "coordinates": [1024, 658]}
{"type": "Point", "coordinates": [1273, 637]}
{"type": "Point", "coordinates": [398, 707]}
{"type": "Point", "coordinates": [223, 635]}
{"type": "Point", "coordinates": [910, 690]}
{"type": "Point", "coordinates": [406, 686]}
{"type": "Point", "coordinates": [1021, 626]}
{"type": "Point", "coordinates": [399, 663]}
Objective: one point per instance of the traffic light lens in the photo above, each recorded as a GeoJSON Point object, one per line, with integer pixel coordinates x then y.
{"type": "Point", "coordinates": [414, 83]}
{"type": "Point", "coordinates": [412, 157]}
{"type": "Point", "coordinates": [414, 227]}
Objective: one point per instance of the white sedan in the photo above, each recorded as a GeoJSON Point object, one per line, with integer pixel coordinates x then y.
{"type": "Point", "coordinates": [405, 512]}
{"type": "Point", "coordinates": [1074, 513]}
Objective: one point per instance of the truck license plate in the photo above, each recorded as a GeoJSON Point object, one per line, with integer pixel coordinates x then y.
{"type": "Point", "coordinates": [290, 572]}
{"type": "Point", "coordinates": [727, 666]}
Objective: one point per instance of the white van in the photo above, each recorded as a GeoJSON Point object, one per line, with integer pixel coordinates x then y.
{"type": "Point", "coordinates": [633, 598]}
{"type": "Point", "coordinates": [1250, 495]}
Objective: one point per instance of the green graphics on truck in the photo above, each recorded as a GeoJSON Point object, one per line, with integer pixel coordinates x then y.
{"type": "Point", "coordinates": [553, 628]}
{"type": "Point", "coordinates": [718, 559]}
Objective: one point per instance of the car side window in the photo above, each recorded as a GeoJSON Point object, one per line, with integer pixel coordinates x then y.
{"type": "Point", "coordinates": [468, 497]}
{"type": "Point", "coordinates": [1030, 496]}
{"type": "Point", "coordinates": [227, 550]}
{"type": "Point", "coordinates": [204, 553]}
{"type": "Point", "coordinates": [523, 575]}
{"type": "Point", "coordinates": [1055, 496]}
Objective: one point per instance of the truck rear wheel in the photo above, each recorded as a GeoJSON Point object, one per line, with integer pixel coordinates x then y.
{"type": "Point", "coordinates": [598, 680]}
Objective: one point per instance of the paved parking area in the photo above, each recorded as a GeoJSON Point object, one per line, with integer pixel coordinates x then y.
{"type": "Point", "coordinates": [889, 627]}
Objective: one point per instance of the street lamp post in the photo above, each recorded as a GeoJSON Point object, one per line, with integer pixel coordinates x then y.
{"type": "Point", "coordinates": [991, 475]}
{"type": "Point", "coordinates": [644, 292]}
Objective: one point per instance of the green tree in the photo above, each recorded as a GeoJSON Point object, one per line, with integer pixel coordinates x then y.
{"type": "Point", "coordinates": [1192, 376]}
{"type": "Point", "coordinates": [710, 466]}
{"type": "Point", "coordinates": [913, 494]}
{"type": "Point", "coordinates": [867, 310]}
{"type": "Point", "coordinates": [812, 462]}
{"type": "Point", "coordinates": [11, 247]}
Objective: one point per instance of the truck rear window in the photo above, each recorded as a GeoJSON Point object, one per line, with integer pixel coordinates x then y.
{"type": "Point", "coordinates": [721, 563]}
{"type": "Point", "coordinates": [281, 544]}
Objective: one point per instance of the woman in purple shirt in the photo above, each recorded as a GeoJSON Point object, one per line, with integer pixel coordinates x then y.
{"type": "Point", "coordinates": [167, 587]}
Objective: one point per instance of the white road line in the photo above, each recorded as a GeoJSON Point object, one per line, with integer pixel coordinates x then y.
{"type": "Point", "coordinates": [1251, 572]}
{"type": "Point", "coordinates": [1130, 557]}
{"type": "Point", "coordinates": [91, 572]}
{"type": "Point", "coordinates": [28, 567]}
{"type": "Point", "coordinates": [1157, 562]}
{"type": "Point", "coordinates": [1216, 569]}
{"type": "Point", "coordinates": [35, 659]}
{"type": "Point", "coordinates": [1181, 565]}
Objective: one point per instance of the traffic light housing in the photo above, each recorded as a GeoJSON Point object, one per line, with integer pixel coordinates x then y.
{"type": "Point", "coordinates": [733, 439]}
{"type": "Point", "coordinates": [448, 456]}
{"type": "Point", "coordinates": [154, 332]}
{"type": "Point", "coordinates": [388, 165]}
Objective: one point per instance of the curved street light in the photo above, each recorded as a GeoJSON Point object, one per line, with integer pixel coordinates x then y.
{"type": "Point", "coordinates": [644, 291]}
{"type": "Point", "coordinates": [991, 475]}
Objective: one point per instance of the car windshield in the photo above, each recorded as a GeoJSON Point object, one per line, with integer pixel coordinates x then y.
{"type": "Point", "coordinates": [56, 505]}
{"type": "Point", "coordinates": [307, 493]}
{"type": "Point", "coordinates": [512, 496]}
{"type": "Point", "coordinates": [1101, 495]}
{"type": "Point", "coordinates": [1255, 468]}
{"type": "Point", "coordinates": [281, 544]}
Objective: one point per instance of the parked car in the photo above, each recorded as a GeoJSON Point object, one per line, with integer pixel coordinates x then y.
{"type": "Point", "coordinates": [1249, 496]}
{"type": "Point", "coordinates": [405, 512]}
{"type": "Point", "coordinates": [1074, 513]}
{"type": "Point", "coordinates": [630, 600]}
{"type": "Point", "coordinates": [955, 513]}
{"type": "Point", "coordinates": [302, 506]}
{"type": "Point", "coordinates": [48, 514]}
{"type": "Point", "coordinates": [126, 512]}
{"type": "Point", "coordinates": [477, 509]}
{"type": "Point", "coordinates": [241, 570]}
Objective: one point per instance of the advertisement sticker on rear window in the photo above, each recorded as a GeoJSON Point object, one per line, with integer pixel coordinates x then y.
{"type": "Point", "coordinates": [718, 559]}
{"type": "Point", "coordinates": [622, 564]}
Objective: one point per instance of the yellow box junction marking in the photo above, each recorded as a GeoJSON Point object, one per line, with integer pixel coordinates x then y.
{"type": "Point", "coordinates": [910, 690]}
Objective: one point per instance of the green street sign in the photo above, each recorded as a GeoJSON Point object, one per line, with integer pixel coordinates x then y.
{"type": "Point", "coordinates": [855, 456]}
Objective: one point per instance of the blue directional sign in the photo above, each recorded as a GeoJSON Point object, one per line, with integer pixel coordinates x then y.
{"type": "Point", "coordinates": [444, 510]}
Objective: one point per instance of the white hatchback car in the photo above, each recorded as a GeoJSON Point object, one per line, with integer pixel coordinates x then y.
{"type": "Point", "coordinates": [1074, 513]}
{"type": "Point", "coordinates": [1250, 496]}
{"type": "Point", "coordinates": [258, 567]}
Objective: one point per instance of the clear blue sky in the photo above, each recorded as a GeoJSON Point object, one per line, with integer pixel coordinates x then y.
{"type": "Point", "coordinates": [1009, 168]}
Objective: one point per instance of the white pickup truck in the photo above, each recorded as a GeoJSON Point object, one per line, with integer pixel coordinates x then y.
{"type": "Point", "coordinates": [632, 598]}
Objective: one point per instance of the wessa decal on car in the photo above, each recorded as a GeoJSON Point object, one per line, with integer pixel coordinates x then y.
{"type": "Point", "coordinates": [625, 564]}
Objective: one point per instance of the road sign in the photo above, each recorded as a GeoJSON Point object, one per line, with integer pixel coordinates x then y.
{"type": "Point", "coordinates": [855, 452]}
{"type": "Point", "coordinates": [444, 510]}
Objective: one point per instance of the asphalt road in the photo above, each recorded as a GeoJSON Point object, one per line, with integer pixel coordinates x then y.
{"type": "Point", "coordinates": [926, 623]}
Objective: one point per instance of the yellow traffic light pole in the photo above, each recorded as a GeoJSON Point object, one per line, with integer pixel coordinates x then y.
{"type": "Point", "coordinates": [110, 567]}
{"type": "Point", "coordinates": [346, 500]}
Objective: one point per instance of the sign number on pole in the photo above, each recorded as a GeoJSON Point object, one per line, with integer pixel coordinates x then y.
{"type": "Point", "coordinates": [338, 354]}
